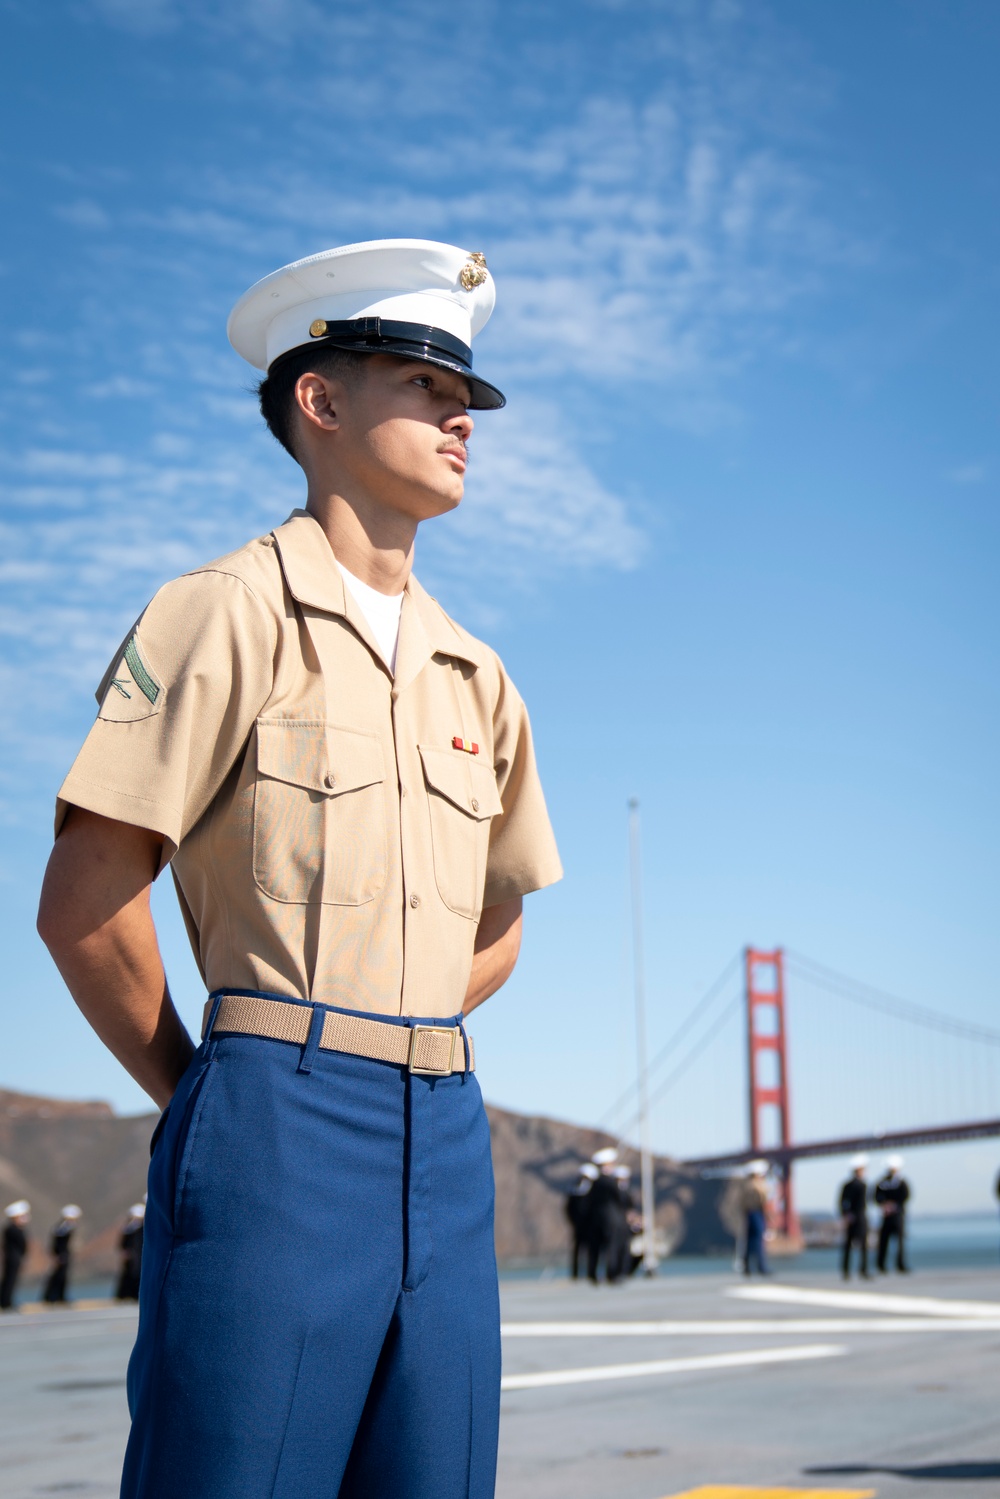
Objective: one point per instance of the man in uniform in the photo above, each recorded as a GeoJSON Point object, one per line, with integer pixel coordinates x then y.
{"type": "Point", "coordinates": [57, 1286]}
{"type": "Point", "coordinates": [607, 1226]}
{"type": "Point", "coordinates": [579, 1213]}
{"type": "Point", "coordinates": [130, 1245]}
{"type": "Point", "coordinates": [343, 782]}
{"type": "Point", "coordinates": [854, 1216]}
{"type": "Point", "coordinates": [892, 1193]}
{"type": "Point", "coordinates": [17, 1216]}
{"type": "Point", "coordinates": [753, 1198]}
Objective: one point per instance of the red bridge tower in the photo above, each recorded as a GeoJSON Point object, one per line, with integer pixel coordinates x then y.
{"type": "Point", "coordinates": [767, 1037]}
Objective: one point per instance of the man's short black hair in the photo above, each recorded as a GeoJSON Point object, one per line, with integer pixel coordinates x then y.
{"type": "Point", "coordinates": [276, 392]}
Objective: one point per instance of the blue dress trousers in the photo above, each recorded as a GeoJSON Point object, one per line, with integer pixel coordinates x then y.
{"type": "Point", "coordinates": [319, 1316]}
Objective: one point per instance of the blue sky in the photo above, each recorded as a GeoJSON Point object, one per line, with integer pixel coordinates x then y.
{"type": "Point", "coordinates": [735, 535]}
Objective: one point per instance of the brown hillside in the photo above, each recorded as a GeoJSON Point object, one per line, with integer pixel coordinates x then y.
{"type": "Point", "coordinates": [53, 1151]}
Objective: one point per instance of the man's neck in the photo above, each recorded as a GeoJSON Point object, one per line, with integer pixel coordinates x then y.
{"type": "Point", "coordinates": [373, 543]}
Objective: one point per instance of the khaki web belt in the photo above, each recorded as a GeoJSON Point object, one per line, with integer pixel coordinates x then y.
{"type": "Point", "coordinates": [429, 1050]}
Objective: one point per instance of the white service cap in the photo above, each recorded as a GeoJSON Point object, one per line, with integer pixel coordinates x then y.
{"type": "Point", "coordinates": [137, 1210]}
{"type": "Point", "coordinates": [605, 1156]}
{"type": "Point", "coordinates": [590, 1171]}
{"type": "Point", "coordinates": [894, 1162]}
{"type": "Point", "coordinates": [412, 297]}
{"type": "Point", "coordinates": [17, 1209]}
{"type": "Point", "coordinates": [758, 1168]}
{"type": "Point", "coordinates": [623, 1173]}
{"type": "Point", "coordinates": [859, 1161]}
{"type": "Point", "coordinates": [72, 1211]}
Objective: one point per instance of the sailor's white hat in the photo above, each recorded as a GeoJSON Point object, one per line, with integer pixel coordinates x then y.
{"type": "Point", "coordinates": [412, 297]}
{"type": "Point", "coordinates": [894, 1162]}
{"type": "Point", "coordinates": [858, 1162]}
{"type": "Point", "coordinates": [72, 1211]}
{"type": "Point", "coordinates": [137, 1210]}
{"type": "Point", "coordinates": [758, 1168]}
{"type": "Point", "coordinates": [17, 1209]}
{"type": "Point", "coordinates": [589, 1171]}
{"type": "Point", "coordinates": [605, 1156]}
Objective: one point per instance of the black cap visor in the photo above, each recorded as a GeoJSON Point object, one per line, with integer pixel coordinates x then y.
{"type": "Point", "coordinates": [426, 345]}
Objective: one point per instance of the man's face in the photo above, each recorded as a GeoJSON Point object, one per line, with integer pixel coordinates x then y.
{"type": "Point", "coordinates": [402, 433]}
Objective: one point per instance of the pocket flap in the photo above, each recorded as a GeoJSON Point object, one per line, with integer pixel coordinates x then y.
{"type": "Point", "coordinates": [322, 757]}
{"type": "Point", "coordinates": [469, 784]}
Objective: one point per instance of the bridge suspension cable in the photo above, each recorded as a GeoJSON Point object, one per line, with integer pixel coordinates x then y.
{"type": "Point", "coordinates": [699, 1046]}
{"type": "Point", "coordinates": [628, 1097]}
{"type": "Point", "coordinates": [889, 1004]}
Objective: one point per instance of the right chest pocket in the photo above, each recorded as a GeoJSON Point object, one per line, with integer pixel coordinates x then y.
{"type": "Point", "coordinates": [319, 834]}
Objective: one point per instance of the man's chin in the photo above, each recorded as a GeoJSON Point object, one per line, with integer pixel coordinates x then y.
{"type": "Point", "coordinates": [436, 503]}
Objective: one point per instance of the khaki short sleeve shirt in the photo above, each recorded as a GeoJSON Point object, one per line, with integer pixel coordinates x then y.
{"type": "Point", "coordinates": [334, 830]}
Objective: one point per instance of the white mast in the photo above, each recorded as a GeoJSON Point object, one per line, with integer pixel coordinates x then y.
{"type": "Point", "coordinates": [649, 1259]}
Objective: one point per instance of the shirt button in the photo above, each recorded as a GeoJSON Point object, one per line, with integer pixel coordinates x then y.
{"type": "Point", "coordinates": [414, 901]}
{"type": "Point", "coordinates": [475, 804]}
{"type": "Point", "coordinates": [329, 781]}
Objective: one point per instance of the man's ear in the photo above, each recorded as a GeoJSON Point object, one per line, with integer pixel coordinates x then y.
{"type": "Point", "coordinates": [318, 398]}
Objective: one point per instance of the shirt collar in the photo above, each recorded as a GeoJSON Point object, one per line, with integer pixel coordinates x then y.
{"type": "Point", "coordinates": [314, 579]}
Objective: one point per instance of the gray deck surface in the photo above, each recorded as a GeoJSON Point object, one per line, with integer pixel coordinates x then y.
{"type": "Point", "coordinates": [910, 1406]}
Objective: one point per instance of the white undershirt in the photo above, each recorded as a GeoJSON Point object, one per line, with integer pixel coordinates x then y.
{"type": "Point", "coordinates": [381, 610]}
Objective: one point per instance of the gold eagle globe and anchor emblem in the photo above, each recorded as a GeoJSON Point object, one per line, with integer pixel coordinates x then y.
{"type": "Point", "coordinates": [474, 272]}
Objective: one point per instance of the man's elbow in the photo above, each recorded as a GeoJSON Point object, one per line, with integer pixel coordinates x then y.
{"type": "Point", "coordinates": [96, 869]}
{"type": "Point", "coordinates": [51, 923]}
{"type": "Point", "coordinates": [45, 921]}
{"type": "Point", "coordinates": [513, 947]}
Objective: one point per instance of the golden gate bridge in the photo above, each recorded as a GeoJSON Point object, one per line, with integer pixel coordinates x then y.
{"type": "Point", "coordinates": [865, 1052]}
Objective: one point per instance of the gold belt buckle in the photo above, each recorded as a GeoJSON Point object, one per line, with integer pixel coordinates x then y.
{"type": "Point", "coordinates": [432, 1030]}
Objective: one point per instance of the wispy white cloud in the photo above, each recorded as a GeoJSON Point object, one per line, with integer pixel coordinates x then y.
{"type": "Point", "coordinates": [83, 213]}
{"type": "Point", "coordinates": [656, 219]}
{"type": "Point", "coordinates": [142, 18]}
{"type": "Point", "coordinates": [124, 386]}
{"type": "Point", "coordinates": [533, 504]}
{"type": "Point", "coordinates": [650, 231]}
{"type": "Point", "coordinates": [968, 473]}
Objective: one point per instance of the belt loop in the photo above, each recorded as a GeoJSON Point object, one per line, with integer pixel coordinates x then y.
{"type": "Point", "coordinates": [212, 1010]}
{"type": "Point", "coordinates": [313, 1039]}
{"type": "Point", "coordinates": [465, 1043]}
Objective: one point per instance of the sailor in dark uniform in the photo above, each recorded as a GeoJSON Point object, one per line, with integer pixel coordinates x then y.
{"type": "Point", "coordinates": [57, 1284]}
{"type": "Point", "coordinates": [17, 1216]}
{"type": "Point", "coordinates": [892, 1194]}
{"type": "Point", "coordinates": [578, 1211]}
{"type": "Point", "coordinates": [130, 1245]}
{"type": "Point", "coordinates": [608, 1224]}
{"type": "Point", "coordinates": [854, 1212]}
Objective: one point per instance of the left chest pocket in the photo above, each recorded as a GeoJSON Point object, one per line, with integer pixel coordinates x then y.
{"type": "Point", "coordinates": [319, 833]}
{"type": "Point", "coordinates": [462, 797]}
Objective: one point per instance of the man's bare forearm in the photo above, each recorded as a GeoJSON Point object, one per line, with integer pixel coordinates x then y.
{"type": "Point", "coordinates": [95, 919]}
{"type": "Point", "coordinates": [498, 942]}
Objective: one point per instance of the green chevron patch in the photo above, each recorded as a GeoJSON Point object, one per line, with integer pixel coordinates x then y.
{"type": "Point", "coordinates": [140, 675]}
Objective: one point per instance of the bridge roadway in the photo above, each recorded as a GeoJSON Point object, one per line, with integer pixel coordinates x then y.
{"type": "Point", "coordinates": [782, 1155]}
{"type": "Point", "coordinates": [685, 1385]}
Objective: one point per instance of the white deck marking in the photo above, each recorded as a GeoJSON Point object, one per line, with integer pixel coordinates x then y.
{"type": "Point", "coordinates": [754, 1327]}
{"type": "Point", "coordinates": [927, 1306]}
{"type": "Point", "coordinates": [711, 1361]}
